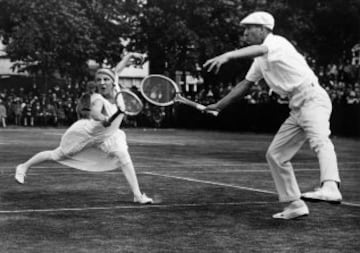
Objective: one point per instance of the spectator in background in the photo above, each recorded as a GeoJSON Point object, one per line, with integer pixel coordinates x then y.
{"type": "Point", "coordinates": [3, 94]}
{"type": "Point", "coordinates": [357, 89]}
{"type": "Point", "coordinates": [50, 115]}
{"type": "Point", "coordinates": [16, 107]}
{"type": "Point", "coordinates": [26, 114]}
{"type": "Point", "coordinates": [352, 99]}
{"type": "Point", "coordinates": [158, 115]}
{"type": "Point", "coordinates": [91, 87]}
{"type": "Point", "coordinates": [61, 117]}
{"type": "Point", "coordinates": [69, 108]}
{"type": "Point", "coordinates": [3, 113]}
{"type": "Point", "coordinates": [37, 113]}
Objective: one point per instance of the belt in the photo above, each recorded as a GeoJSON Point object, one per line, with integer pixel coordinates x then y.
{"type": "Point", "coordinates": [302, 88]}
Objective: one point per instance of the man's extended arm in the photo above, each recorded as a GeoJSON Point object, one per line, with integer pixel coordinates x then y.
{"type": "Point", "coordinates": [235, 94]}
{"type": "Point", "coordinates": [215, 63]}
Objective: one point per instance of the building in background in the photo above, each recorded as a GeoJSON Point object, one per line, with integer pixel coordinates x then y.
{"type": "Point", "coordinates": [5, 64]}
{"type": "Point", "coordinates": [132, 76]}
{"type": "Point", "coordinates": [188, 82]}
{"type": "Point", "coordinates": [8, 77]}
{"type": "Point", "coordinates": [356, 54]}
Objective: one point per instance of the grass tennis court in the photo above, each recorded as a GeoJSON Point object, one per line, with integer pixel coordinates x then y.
{"type": "Point", "coordinates": [214, 193]}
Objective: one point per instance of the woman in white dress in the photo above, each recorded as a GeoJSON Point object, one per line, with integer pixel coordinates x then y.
{"type": "Point", "coordinates": [87, 144]}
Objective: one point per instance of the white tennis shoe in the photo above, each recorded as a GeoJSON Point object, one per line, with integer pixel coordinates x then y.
{"type": "Point", "coordinates": [143, 199]}
{"type": "Point", "coordinates": [294, 210]}
{"type": "Point", "coordinates": [323, 194]}
{"type": "Point", "coordinates": [20, 173]}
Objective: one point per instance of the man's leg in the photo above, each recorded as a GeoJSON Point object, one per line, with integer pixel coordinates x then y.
{"type": "Point", "coordinates": [284, 146]}
{"type": "Point", "coordinates": [315, 122]}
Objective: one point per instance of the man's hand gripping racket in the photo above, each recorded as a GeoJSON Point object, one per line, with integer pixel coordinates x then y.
{"type": "Point", "coordinates": [162, 91]}
{"type": "Point", "coordinates": [200, 107]}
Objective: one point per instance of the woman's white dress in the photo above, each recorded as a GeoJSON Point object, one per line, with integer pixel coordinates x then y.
{"type": "Point", "coordinates": [88, 145]}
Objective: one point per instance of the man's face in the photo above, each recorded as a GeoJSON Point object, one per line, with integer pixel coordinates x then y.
{"type": "Point", "coordinates": [104, 83]}
{"type": "Point", "coordinates": [254, 34]}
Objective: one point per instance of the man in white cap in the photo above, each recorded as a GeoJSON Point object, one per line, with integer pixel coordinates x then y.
{"type": "Point", "coordinates": [287, 73]}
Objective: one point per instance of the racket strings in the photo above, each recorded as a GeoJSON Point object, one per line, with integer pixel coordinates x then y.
{"type": "Point", "coordinates": [159, 90]}
{"type": "Point", "coordinates": [129, 103]}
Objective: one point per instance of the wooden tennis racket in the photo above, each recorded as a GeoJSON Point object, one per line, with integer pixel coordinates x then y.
{"type": "Point", "coordinates": [127, 103]}
{"type": "Point", "coordinates": [162, 91]}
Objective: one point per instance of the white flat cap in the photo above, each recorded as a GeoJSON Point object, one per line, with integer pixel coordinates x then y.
{"type": "Point", "coordinates": [259, 18]}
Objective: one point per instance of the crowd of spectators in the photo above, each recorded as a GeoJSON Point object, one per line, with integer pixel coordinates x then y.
{"type": "Point", "coordinates": [56, 106]}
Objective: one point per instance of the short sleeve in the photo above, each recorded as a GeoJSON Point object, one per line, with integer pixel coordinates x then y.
{"type": "Point", "coordinates": [254, 74]}
{"type": "Point", "coordinates": [275, 45]}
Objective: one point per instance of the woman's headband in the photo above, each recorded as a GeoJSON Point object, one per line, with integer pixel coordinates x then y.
{"type": "Point", "coordinates": [107, 72]}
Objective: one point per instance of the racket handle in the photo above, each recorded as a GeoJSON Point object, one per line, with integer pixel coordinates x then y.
{"type": "Point", "coordinates": [213, 113]}
{"type": "Point", "coordinates": [198, 106]}
{"type": "Point", "coordinates": [202, 108]}
{"type": "Point", "coordinates": [108, 122]}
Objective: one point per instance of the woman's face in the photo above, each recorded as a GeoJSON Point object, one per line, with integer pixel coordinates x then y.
{"type": "Point", "coordinates": [104, 84]}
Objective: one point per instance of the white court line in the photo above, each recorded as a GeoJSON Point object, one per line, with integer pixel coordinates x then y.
{"type": "Point", "coordinates": [350, 204]}
{"type": "Point", "coordinates": [210, 182]}
{"type": "Point", "coordinates": [246, 171]}
{"type": "Point", "coordinates": [79, 172]}
{"type": "Point", "coordinates": [229, 185]}
{"type": "Point", "coordinates": [180, 171]}
{"type": "Point", "coordinates": [169, 205]}
{"type": "Point", "coordinates": [154, 206]}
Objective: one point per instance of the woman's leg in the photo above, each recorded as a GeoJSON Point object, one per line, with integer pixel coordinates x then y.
{"type": "Point", "coordinates": [48, 155]}
{"type": "Point", "coordinates": [128, 169]}
{"type": "Point", "coordinates": [130, 175]}
{"type": "Point", "coordinates": [117, 148]}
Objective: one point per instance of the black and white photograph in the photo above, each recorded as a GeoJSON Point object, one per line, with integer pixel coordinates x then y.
{"type": "Point", "coordinates": [179, 126]}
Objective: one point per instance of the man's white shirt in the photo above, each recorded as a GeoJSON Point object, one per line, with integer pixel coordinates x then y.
{"type": "Point", "coordinates": [282, 67]}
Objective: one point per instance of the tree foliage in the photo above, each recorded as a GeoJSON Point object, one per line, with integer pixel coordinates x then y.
{"type": "Point", "coordinates": [48, 36]}
{"type": "Point", "coordinates": [325, 29]}
{"type": "Point", "coordinates": [62, 35]}
{"type": "Point", "coordinates": [185, 33]}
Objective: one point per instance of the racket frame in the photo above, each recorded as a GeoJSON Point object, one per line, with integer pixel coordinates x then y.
{"type": "Point", "coordinates": [178, 97]}
{"type": "Point", "coordinates": [136, 98]}
{"type": "Point", "coordinates": [171, 102]}
{"type": "Point", "coordinates": [119, 111]}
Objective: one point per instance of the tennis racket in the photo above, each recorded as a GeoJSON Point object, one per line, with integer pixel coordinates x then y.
{"type": "Point", "coordinates": [127, 103]}
{"type": "Point", "coordinates": [162, 91]}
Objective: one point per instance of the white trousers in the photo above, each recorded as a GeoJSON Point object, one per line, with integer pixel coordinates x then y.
{"type": "Point", "coordinates": [308, 121]}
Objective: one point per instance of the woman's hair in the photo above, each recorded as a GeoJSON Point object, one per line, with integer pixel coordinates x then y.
{"type": "Point", "coordinates": [106, 71]}
{"type": "Point", "coordinates": [83, 106]}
